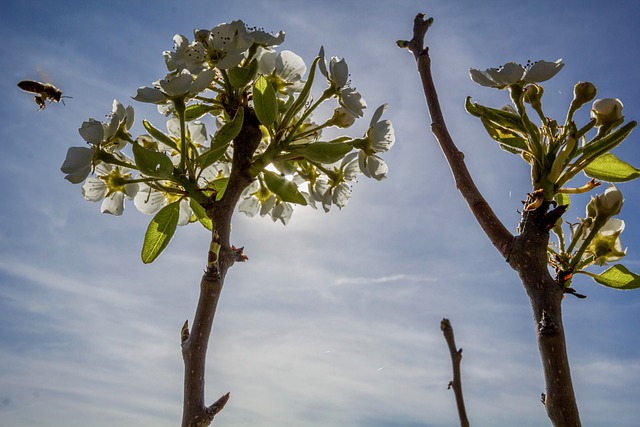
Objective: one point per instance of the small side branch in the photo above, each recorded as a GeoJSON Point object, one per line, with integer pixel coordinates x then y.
{"type": "Point", "coordinates": [456, 383]}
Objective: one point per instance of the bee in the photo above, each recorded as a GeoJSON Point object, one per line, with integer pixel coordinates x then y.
{"type": "Point", "coordinates": [43, 91]}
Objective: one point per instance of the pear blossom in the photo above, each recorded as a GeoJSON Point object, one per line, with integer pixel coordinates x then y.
{"type": "Point", "coordinates": [182, 85]}
{"type": "Point", "coordinates": [222, 47]}
{"type": "Point", "coordinates": [189, 56]}
{"type": "Point", "coordinates": [285, 68]}
{"type": "Point", "coordinates": [352, 101]}
{"type": "Point", "coordinates": [606, 246]}
{"type": "Point", "coordinates": [148, 200]}
{"type": "Point", "coordinates": [110, 137]}
{"type": "Point", "coordinates": [111, 186]}
{"type": "Point", "coordinates": [512, 73]}
{"type": "Point", "coordinates": [257, 198]}
{"type": "Point", "coordinates": [196, 132]}
{"type": "Point", "coordinates": [282, 212]}
{"type": "Point", "coordinates": [338, 77]}
{"type": "Point", "coordinates": [336, 190]}
{"type": "Point", "coordinates": [379, 138]}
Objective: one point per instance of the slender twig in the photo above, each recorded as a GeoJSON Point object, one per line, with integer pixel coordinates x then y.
{"type": "Point", "coordinates": [456, 383]}
{"type": "Point", "coordinates": [492, 226]}
{"type": "Point", "coordinates": [525, 253]}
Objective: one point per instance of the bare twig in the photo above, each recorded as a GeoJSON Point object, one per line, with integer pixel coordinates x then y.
{"type": "Point", "coordinates": [492, 226]}
{"type": "Point", "coordinates": [456, 383]}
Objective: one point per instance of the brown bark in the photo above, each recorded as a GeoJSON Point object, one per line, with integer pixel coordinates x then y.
{"type": "Point", "coordinates": [525, 253]}
{"type": "Point", "coordinates": [195, 342]}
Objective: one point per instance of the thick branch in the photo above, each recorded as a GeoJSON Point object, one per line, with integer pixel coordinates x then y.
{"type": "Point", "coordinates": [492, 226]}
{"type": "Point", "coordinates": [529, 259]}
{"type": "Point", "coordinates": [456, 383]}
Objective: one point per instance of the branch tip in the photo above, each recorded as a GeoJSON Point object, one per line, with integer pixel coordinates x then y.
{"type": "Point", "coordinates": [218, 405]}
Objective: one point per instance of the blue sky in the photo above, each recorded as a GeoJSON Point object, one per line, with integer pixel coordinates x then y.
{"type": "Point", "coordinates": [335, 319]}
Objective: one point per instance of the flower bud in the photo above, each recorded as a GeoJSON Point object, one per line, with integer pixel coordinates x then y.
{"type": "Point", "coordinates": [533, 94]}
{"type": "Point", "coordinates": [583, 92]}
{"type": "Point", "coordinates": [607, 204]}
{"type": "Point", "coordinates": [341, 118]}
{"type": "Point", "coordinates": [607, 112]}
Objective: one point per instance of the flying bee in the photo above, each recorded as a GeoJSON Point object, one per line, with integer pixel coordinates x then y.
{"type": "Point", "coordinates": [43, 91]}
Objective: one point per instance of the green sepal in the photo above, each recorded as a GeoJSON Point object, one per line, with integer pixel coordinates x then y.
{"type": "Point", "coordinates": [221, 140]}
{"type": "Point", "coordinates": [239, 76]}
{"type": "Point", "coordinates": [152, 163]}
{"type": "Point", "coordinates": [611, 169]}
{"type": "Point", "coordinates": [159, 135]}
{"type": "Point", "coordinates": [326, 152]}
{"type": "Point", "coordinates": [201, 214]}
{"type": "Point", "coordinates": [618, 277]}
{"type": "Point", "coordinates": [160, 231]}
{"type": "Point", "coordinates": [283, 188]}
{"type": "Point", "coordinates": [195, 111]}
{"type": "Point", "coordinates": [264, 101]}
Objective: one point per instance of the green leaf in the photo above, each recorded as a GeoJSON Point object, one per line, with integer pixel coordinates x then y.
{"type": "Point", "coordinates": [502, 118]}
{"type": "Point", "coordinates": [160, 231]}
{"type": "Point", "coordinates": [159, 135]}
{"type": "Point", "coordinates": [241, 76]}
{"type": "Point", "coordinates": [594, 149]}
{"type": "Point", "coordinates": [195, 111]}
{"type": "Point", "coordinates": [219, 186]}
{"type": "Point", "coordinates": [611, 169]}
{"type": "Point", "coordinates": [562, 199]}
{"type": "Point", "coordinates": [618, 277]}
{"type": "Point", "coordinates": [508, 140]}
{"type": "Point", "coordinates": [283, 188]}
{"type": "Point", "coordinates": [152, 163]}
{"type": "Point", "coordinates": [264, 101]}
{"type": "Point", "coordinates": [326, 152]}
{"type": "Point", "coordinates": [201, 214]}
{"type": "Point", "coordinates": [221, 140]}
{"type": "Point", "coordinates": [301, 100]}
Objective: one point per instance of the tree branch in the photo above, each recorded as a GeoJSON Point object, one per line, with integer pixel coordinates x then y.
{"type": "Point", "coordinates": [492, 226]}
{"type": "Point", "coordinates": [526, 253]}
{"type": "Point", "coordinates": [196, 341]}
{"type": "Point", "coordinates": [456, 383]}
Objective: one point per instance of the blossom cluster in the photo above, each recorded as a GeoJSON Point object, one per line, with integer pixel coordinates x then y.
{"type": "Point", "coordinates": [222, 73]}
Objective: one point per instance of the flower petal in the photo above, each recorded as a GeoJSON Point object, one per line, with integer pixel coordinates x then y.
{"type": "Point", "coordinates": [77, 164]}
{"type": "Point", "coordinates": [150, 95]}
{"type": "Point", "coordinates": [481, 78]}
{"type": "Point", "coordinates": [542, 71]}
{"type": "Point", "coordinates": [508, 74]}
{"type": "Point", "coordinates": [113, 204]}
